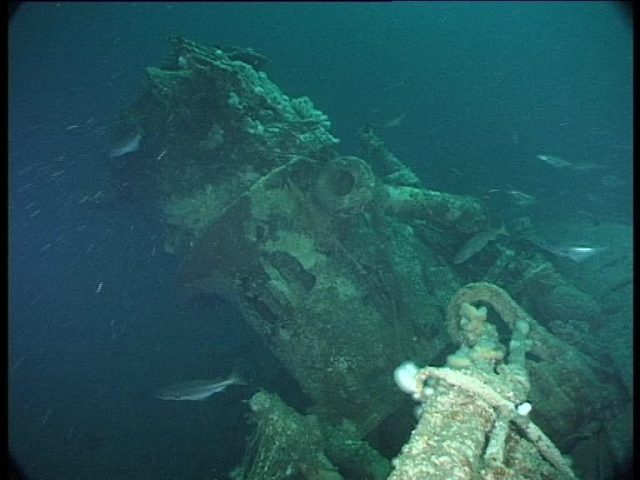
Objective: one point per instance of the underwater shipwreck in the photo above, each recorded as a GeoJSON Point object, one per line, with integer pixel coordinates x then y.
{"type": "Point", "coordinates": [342, 263]}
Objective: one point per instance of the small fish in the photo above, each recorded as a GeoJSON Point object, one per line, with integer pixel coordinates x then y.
{"type": "Point", "coordinates": [554, 161]}
{"type": "Point", "coordinates": [46, 417]}
{"type": "Point", "coordinates": [521, 198]}
{"type": "Point", "coordinates": [577, 253]}
{"type": "Point", "coordinates": [128, 144]}
{"type": "Point", "coordinates": [198, 390]}
{"type": "Point", "coordinates": [394, 122]}
{"type": "Point", "coordinates": [477, 243]}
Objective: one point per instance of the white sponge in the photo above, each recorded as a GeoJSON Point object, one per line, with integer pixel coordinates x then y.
{"type": "Point", "coordinates": [405, 377]}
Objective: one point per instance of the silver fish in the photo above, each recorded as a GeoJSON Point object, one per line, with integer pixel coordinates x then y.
{"type": "Point", "coordinates": [394, 122]}
{"type": "Point", "coordinates": [477, 243]}
{"type": "Point", "coordinates": [556, 162]}
{"type": "Point", "coordinates": [127, 144]}
{"type": "Point", "coordinates": [198, 390]}
{"type": "Point", "coordinates": [521, 198]}
{"type": "Point", "coordinates": [576, 253]}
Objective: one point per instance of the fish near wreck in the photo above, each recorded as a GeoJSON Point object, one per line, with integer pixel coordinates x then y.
{"type": "Point", "coordinates": [577, 253]}
{"type": "Point", "coordinates": [554, 161]}
{"type": "Point", "coordinates": [128, 143]}
{"type": "Point", "coordinates": [198, 390]}
{"type": "Point", "coordinates": [477, 243]}
{"type": "Point", "coordinates": [394, 122]}
{"type": "Point", "coordinates": [522, 199]}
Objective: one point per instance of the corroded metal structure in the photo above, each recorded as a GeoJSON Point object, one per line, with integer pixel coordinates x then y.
{"type": "Point", "coordinates": [341, 262]}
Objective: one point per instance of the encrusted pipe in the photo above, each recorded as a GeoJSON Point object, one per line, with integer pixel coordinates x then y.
{"type": "Point", "coordinates": [462, 214]}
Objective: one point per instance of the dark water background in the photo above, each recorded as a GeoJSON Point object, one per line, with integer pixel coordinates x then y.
{"type": "Point", "coordinates": [96, 324]}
